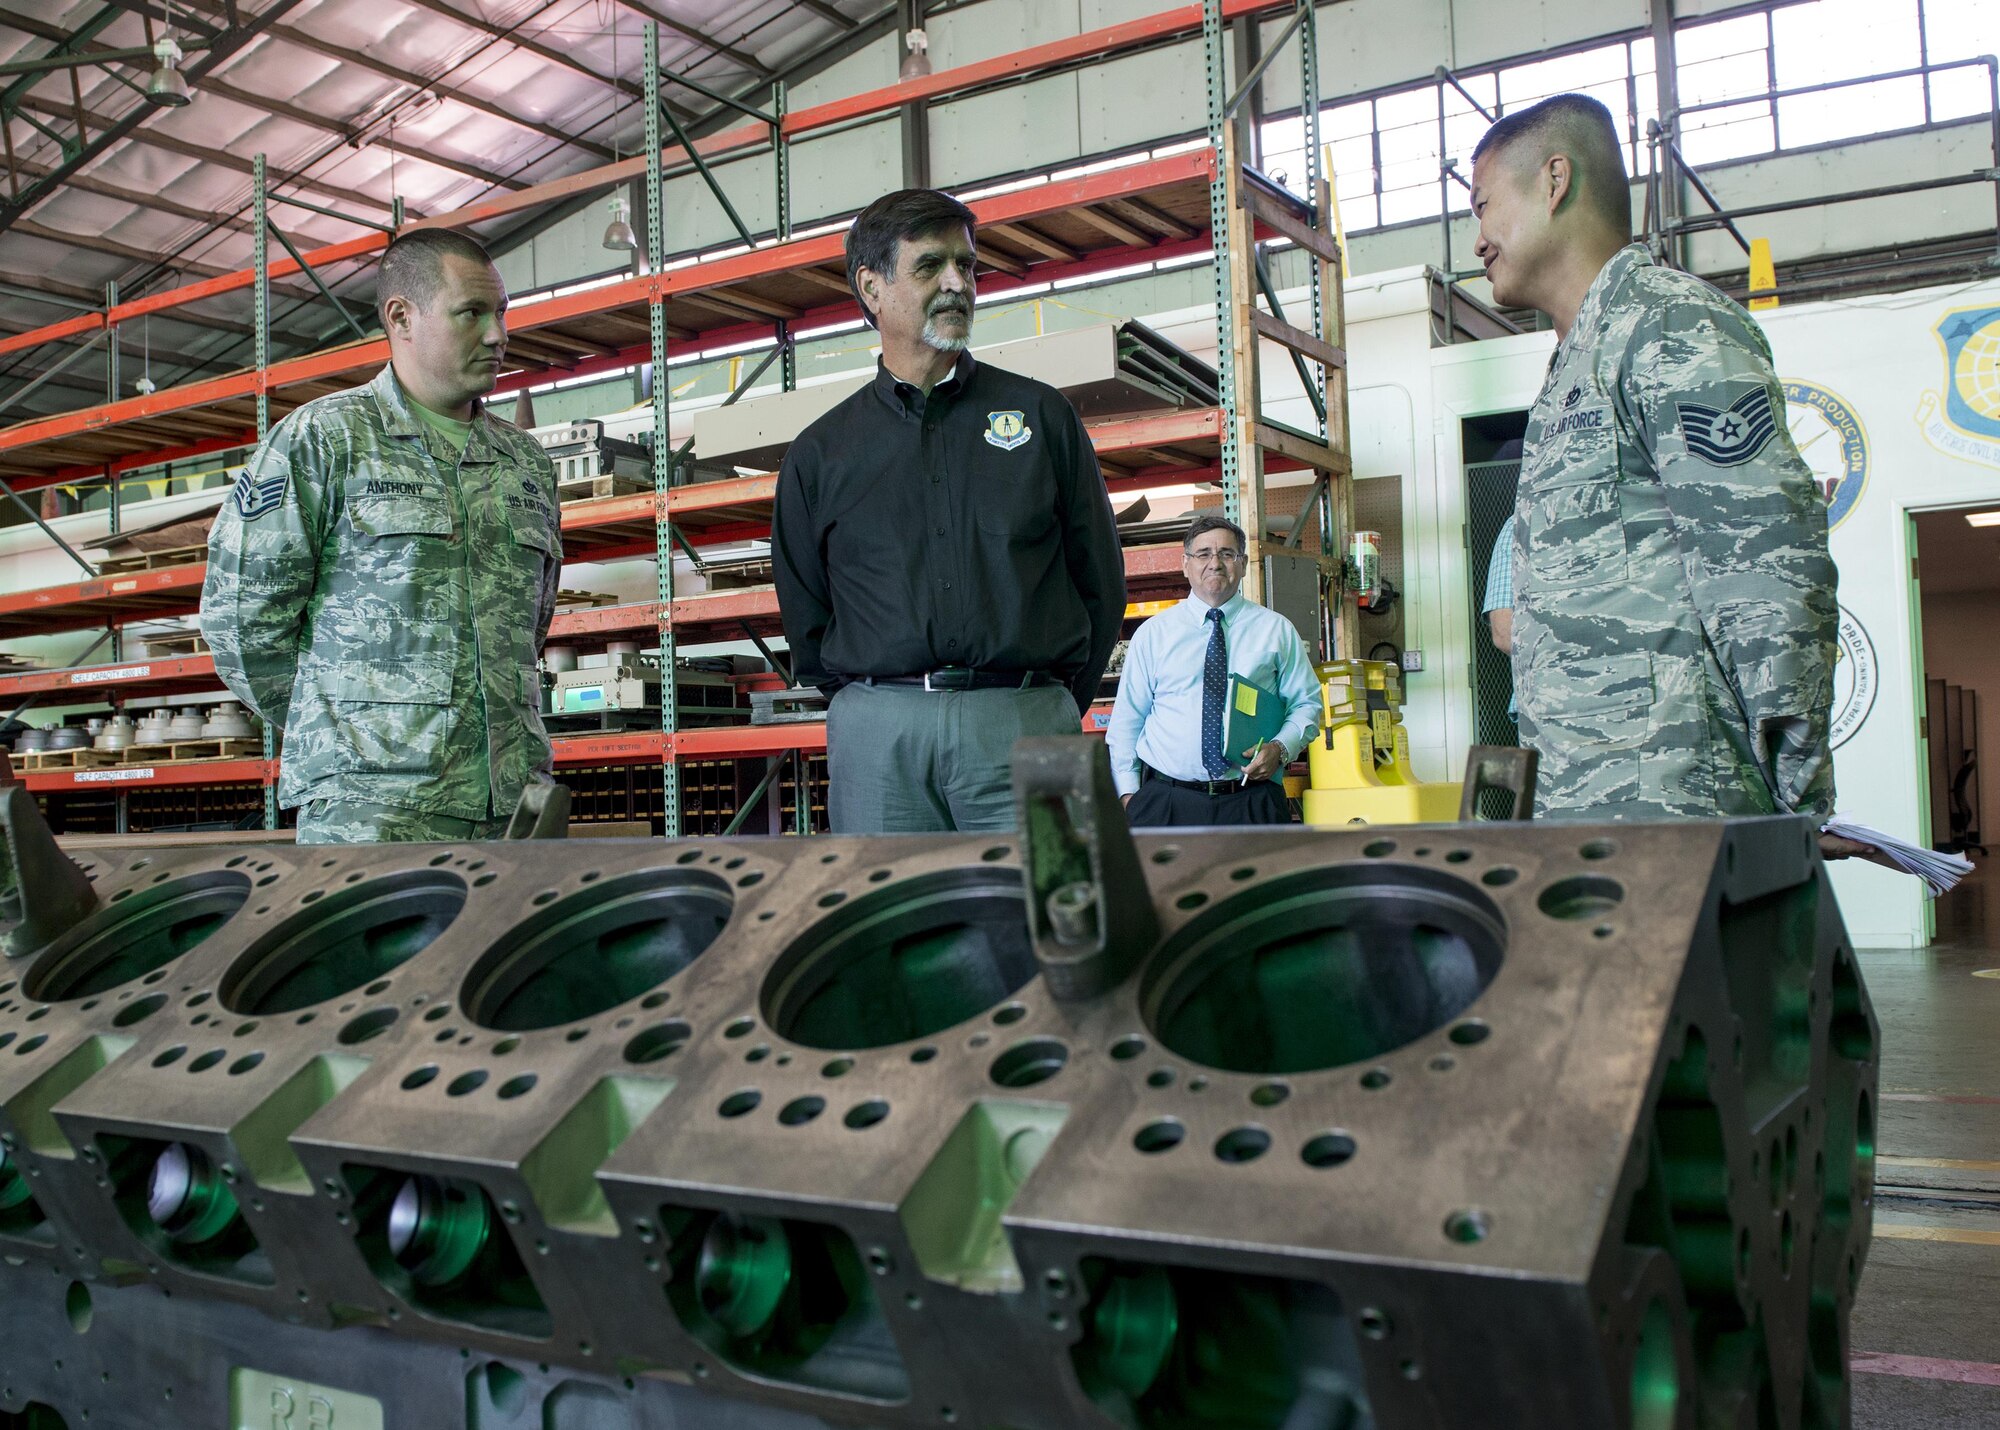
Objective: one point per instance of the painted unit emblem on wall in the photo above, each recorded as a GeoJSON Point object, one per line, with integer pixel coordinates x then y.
{"type": "Point", "coordinates": [1963, 420]}
{"type": "Point", "coordinates": [1855, 680]}
{"type": "Point", "coordinates": [1829, 435]}
{"type": "Point", "coordinates": [1007, 430]}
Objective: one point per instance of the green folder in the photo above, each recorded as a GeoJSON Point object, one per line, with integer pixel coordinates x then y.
{"type": "Point", "coordinates": [1255, 715]}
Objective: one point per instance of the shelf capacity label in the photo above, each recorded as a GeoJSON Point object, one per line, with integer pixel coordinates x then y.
{"type": "Point", "coordinates": [142, 772]}
{"type": "Point", "coordinates": [123, 672]}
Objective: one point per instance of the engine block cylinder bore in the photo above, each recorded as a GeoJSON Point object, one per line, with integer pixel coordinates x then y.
{"type": "Point", "coordinates": [596, 949]}
{"type": "Point", "coordinates": [132, 937]}
{"type": "Point", "coordinates": [437, 1228]}
{"type": "Point", "coordinates": [13, 1182]}
{"type": "Point", "coordinates": [904, 962]}
{"type": "Point", "coordinates": [186, 1197]}
{"type": "Point", "coordinates": [343, 942]}
{"type": "Point", "coordinates": [744, 1267]}
{"type": "Point", "coordinates": [1324, 968]}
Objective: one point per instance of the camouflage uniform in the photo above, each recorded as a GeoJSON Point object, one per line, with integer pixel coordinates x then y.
{"type": "Point", "coordinates": [1674, 600]}
{"type": "Point", "coordinates": [347, 821]}
{"type": "Point", "coordinates": [386, 604]}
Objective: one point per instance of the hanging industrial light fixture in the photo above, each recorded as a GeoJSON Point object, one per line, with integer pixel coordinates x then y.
{"type": "Point", "coordinates": [618, 234]}
{"type": "Point", "coordinates": [145, 386]}
{"type": "Point", "coordinates": [917, 63]}
{"type": "Point", "coordinates": [168, 88]}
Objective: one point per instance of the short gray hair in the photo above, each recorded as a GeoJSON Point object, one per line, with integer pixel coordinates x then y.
{"type": "Point", "coordinates": [1207, 521]}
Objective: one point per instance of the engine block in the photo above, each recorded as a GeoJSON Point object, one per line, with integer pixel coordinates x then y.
{"type": "Point", "coordinates": [1488, 1125]}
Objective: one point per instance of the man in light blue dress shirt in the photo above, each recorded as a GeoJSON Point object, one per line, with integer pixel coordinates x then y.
{"type": "Point", "coordinates": [1168, 754]}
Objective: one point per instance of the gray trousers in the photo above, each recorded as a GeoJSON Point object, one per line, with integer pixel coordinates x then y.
{"type": "Point", "coordinates": [901, 760]}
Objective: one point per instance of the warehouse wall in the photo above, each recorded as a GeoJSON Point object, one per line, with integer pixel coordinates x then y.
{"type": "Point", "coordinates": [1366, 46]}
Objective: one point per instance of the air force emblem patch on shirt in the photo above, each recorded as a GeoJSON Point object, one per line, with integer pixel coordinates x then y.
{"type": "Point", "coordinates": [253, 498]}
{"type": "Point", "coordinates": [1729, 436]}
{"type": "Point", "coordinates": [1008, 430]}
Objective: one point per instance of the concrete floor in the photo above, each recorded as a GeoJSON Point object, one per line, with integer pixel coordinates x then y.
{"type": "Point", "coordinates": [1926, 1328]}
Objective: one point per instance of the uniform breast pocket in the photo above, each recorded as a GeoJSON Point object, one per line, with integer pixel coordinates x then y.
{"type": "Point", "coordinates": [534, 550]}
{"type": "Point", "coordinates": [388, 518]}
{"type": "Point", "coordinates": [391, 718]}
{"type": "Point", "coordinates": [1576, 532]}
{"type": "Point", "coordinates": [401, 538]}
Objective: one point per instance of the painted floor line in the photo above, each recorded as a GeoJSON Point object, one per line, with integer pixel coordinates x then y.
{"type": "Point", "coordinates": [1947, 1164]}
{"type": "Point", "coordinates": [1965, 1099]}
{"type": "Point", "coordinates": [1961, 1372]}
{"type": "Point", "coordinates": [1906, 1231]}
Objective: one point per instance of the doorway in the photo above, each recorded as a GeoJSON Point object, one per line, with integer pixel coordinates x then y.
{"type": "Point", "coordinates": [1958, 593]}
{"type": "Point", "coordinates": [1492, 447]}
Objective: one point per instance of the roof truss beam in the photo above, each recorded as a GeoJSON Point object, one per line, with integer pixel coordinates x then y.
{"type": "Point", "coordinates": [292, 35]}
{"type": "Point", "coordinates": [353, 197]}
{"type": "Point", "coordinates": [224, 44]}
{"type": "Point", "coordinates": [708, 42]}
{"type": "Point", "coordinates": [514, 36]}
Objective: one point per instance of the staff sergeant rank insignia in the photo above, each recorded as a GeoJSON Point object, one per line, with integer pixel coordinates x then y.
{"type": "Point", "coordinates": [254, 498]}
{"type": "Point", "coordinates": [1731, 436]}
{"type": "Point", "coordinates": [1007, 430]}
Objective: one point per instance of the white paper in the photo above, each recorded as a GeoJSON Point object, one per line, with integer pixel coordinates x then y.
{"type": "Point", "coordinates": [1939, 871]}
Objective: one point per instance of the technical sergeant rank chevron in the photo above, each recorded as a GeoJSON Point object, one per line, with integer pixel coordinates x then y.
{"type": "Point", "coordinates": [1731, 436]}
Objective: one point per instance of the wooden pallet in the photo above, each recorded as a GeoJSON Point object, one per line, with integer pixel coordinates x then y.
{"type": "Point", "coordinates": [591, 488]}
{"type": "Point", "coordinates": [86, 758]}
{"type": "Point", "coordinates": [739, 577]}
{"type": "Point", "coordinates": [152, 560]}
{"type": "Point", "coordinates": [169, 644]}
{"type": "Point", "coordinates": [181, 752]}
{"type": "Point", "coordinates": [583, 600]}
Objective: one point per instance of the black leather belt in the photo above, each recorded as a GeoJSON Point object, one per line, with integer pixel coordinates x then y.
{"type": "Point", "coordinates": [1222, 786]}
{"type": "Point", "coordinates": [958, 677]}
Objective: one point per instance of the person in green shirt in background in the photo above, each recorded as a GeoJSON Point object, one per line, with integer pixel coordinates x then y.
{"type": "Point", "coordinates": [382, 576]}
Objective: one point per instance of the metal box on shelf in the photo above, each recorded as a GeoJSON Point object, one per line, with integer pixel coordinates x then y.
{"type": "Point", "coordinates": [581, 452]}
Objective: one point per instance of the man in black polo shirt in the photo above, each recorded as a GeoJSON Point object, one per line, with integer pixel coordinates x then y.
{"type": "Point", "coordinates": [943, 547]}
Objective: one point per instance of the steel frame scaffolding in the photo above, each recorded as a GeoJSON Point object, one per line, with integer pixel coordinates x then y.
{"type": "Point", "coordinates": [1070, 227]}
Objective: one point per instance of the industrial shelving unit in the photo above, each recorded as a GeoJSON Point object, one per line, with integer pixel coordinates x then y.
{"type": "Point", "coordinates": [1181, 204]}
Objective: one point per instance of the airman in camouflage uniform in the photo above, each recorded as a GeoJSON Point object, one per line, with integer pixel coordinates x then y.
{"type": "Point", "coordinates": [1674, 600]}
{"type": "Point", "coordinates": [1674, 611]}
{"type": "Point", "coordinates": [384, 599]}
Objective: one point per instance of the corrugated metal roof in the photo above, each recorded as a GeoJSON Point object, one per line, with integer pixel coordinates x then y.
{"type": "Point", "coordinates": [353, 102]}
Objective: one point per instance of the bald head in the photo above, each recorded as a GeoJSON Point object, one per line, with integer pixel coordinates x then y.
{"type": "Point", "coordinates": [1579, 129]}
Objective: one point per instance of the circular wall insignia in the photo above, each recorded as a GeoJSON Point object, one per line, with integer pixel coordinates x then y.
{"type": "Point", "coordinates": [1831, 438]}
{"type": "Point", "coordinates": [1855, 680]}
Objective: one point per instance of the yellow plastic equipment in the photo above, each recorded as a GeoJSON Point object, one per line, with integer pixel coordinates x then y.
{"type": "Point", "coordinates": [1361, 759]}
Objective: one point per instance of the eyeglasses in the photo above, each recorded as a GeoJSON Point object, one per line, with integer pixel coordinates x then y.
{"type": "Point", "coordinates": [1225, 554]}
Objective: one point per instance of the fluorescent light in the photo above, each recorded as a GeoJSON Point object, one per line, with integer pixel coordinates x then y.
{"type": "Point", "coordinates": [1982, 518]}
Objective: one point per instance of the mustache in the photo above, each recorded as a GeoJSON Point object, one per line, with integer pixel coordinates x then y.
{"type": "Point", "coordinates": [948, 305]}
